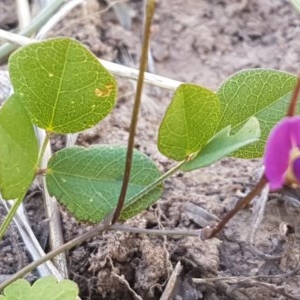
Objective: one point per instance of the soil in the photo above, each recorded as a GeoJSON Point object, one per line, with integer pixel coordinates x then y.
{"type": "Point", "coordinates": [193, 41]}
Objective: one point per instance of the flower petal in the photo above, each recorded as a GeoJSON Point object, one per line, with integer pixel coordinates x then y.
{"type": "Point", "coordinates": [295, 124]}
{"type": "Point", "coordinates": [277, 153]}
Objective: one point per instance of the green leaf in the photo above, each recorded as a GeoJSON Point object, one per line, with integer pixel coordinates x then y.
{"type": "Point", "coordinates": [222, 144]}
{"type": "Point", "coordinates": [190, 121]}
{"type": "Point", "coordinates": [88, 181]}
{"type": "Point", "coordinates": [262, 93]}
{"type": "Point", "coordinates": [18, 149]}
{"type": "Point", "coordinates": [62, 85]}
{"type": "Point", "coordinates": [46, 288]}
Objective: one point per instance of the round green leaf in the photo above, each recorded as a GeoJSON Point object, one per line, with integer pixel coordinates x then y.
{"type": "Point", "coordinates": [223, 144]}
{"type": "Point", "coordinates": [62, 85]}
{"type": "Point", "coordinates": [260, 93]}
{"type": "Point", "coordinates": [190, 121]}
{"type": "Point", "coordinates": [46, 288]}
{"type": "Point", "coordinates": [18, 149]}
{"type": "Point", "coordinates": [88, 181]}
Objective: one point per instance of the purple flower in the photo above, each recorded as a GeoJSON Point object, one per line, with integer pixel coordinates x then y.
{"type": "Point", "coordinates": [282, 154]}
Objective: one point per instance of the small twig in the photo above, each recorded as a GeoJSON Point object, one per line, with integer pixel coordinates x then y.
{"type": "Point", "coordinates": [255, 277]}
{"type": "Point", "coordinates": [122, 11]}
{"type": "Point", "coordinates": [172, 283]}
{"type": "Point", "coordinates": [296, 4]}
{"type": "Point", "coordinates": [155, 183]}
{"type": "Point", "coordinates": [116, 69]}
{"type": "Point", "coordinates": [36, 23]}
{"type": "Point", "coordinates": [261, 202]}
{"type": "Point", "coordinates": [57, 17]}
{"type": "Point", "coordinates": [199, 215]}
{"type": "Point", "coordinates": [52, 211]}
{"type": "Point", "coordinates": [165, 232]}
{"type": "Point", "coordinates": [253, 281]}
{"type": "Point", "coordinates": [66, 247]}
{"type": "Point", "coordinates": [103, 226]}
{"type": "Point", "coordinates": [5, 86]}
{"type": "Point", "coordinates": [31, 243]}
{"type": "Point", "coordinates": [136, 108]}
{"type": "Point", "coordinates": [24, 15]}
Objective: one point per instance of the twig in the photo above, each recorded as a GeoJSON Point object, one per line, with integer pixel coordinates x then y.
{"type": "Point", "coordinates": [66, 247]}
{"type": "Point", "coordinates": [296, 4]}
{"type": "Point", "coordinates": [253, 281]}
{"type": "Point", "coordinates": [5, 86]}
{"type": "Point", "coordinates": [165, 232]}
{"type": "Point", "coordinates": [199, 215]}
{"type": "Point", "coordinates": [52, 211]}
{"type": "Point", "coordinates": [31, 243]}
{"type": "Point", "coordinates": [103, 226]}
{"type": "Point", "coordinates": [24, 15]}
{"type": "Point", "coordinates": [36, 23]}
{"type": "Point", "coordinates": [259, 208]}
{"type": "Point", "coordinates": [57, 17]}
{"type": "Point", "coordinates": [122, 11]}
{"type": "Point", "coordinates": [172, 283]}
{"type": "Point", "coordinates": [116, 69]}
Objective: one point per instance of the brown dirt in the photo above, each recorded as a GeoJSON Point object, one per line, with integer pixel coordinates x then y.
{"type": "Point", "coordinates": [201, 42]}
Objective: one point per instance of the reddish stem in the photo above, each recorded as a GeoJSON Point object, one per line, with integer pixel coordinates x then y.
{"type": "Point", "coordinates": [211, 232]}
{"type": "Point", "coordinates": [293, 105]}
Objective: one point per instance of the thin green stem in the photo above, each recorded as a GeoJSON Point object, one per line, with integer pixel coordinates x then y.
{"type": "Point", "coordinates": [154, 184]}
{"type": "Point", "coordinates": [296, 4]}
{"type": "Point", "coordinates": [136, 108]}
{"type": "Point", "coordinates": [19, 200]}
{"type": "Point", "coordinates": [43, 148]}
{"type": "Point", "coordinates": [34, 26]}
{"type": "Point", "coordinates": [104, 225]}
{"type": "Point", "coordinates": [10, 215]}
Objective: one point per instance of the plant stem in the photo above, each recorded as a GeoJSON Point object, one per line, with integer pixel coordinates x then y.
{"type": "Point", "coordinates": [208, 232]}
{"type": "Point", "coordinates": [31, 243]}
{"type": "Point", "coordinates": [293, 104]}
{"type": "Point", "coordinates": [296, 4]}
{"type": "Point", "coordinates": [36, 24]}
{"type": "Point", "coordinates": [19, 200]}
{"type": "Point", "coordinates": [136, 108]}
{"type": "Point", "coordinates": [164, 232]}
{"type": "Point", "coordinates": [104, 225]}
{"type": "Point", "coordinates": [69, 245]}
{"type": "Point", "coordinates": [88, 235]}
{"type": "Point", "coordinates": [51, 207]}
{"type": "Point", "coordinates": [43, 149]}
{"type": "Point", "coordinates": [10, 215]}
{"type": "Point", "coordinates": [57, 17]}
{"type": "Point", "coordinates": [154, 184]}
